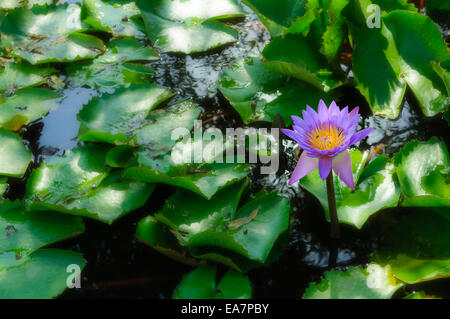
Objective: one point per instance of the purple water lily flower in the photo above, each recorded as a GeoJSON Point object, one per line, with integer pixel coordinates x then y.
{"type": "Point", "coordinates": [324, 137]}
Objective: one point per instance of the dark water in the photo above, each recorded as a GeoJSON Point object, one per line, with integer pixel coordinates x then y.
{"type": "Point", "coordinates": [121, 267]}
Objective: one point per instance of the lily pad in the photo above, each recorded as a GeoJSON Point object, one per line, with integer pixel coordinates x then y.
{"type": "Point", "coordinates": [373, 282]}
{"type": "Point", "coordinates": [376, 189]}
{"type": "Point", "coordinates": [383, 63]}
{"type": "Point", "coordinates": [158, 236]}
{"type": "Point", "coordinates": [62, 179]}
{"type": "Point", "coordinates": [41, 275]}
{"type": "Point", "coordinates": [253, 237]}
{"type": "Point", "coordinates": [51, 33]}
{"type": "Point", "coordinates": [3, 186]}
{"type": "Point", "coordinates": [116, 18]}
{"type": "Point", "coordinates": [14, 76]}
{"type": "Point", "coordinates": [189, 26]}
{"type": "Point", "coordinates": [259, 94]}
{"type": "Point", "coordinates": [201, 284]}
{"type": "Point", "coordinates": [120, 66]}
{"type": "Point", "coordinates": [25, 232]}
{"type": "Point", "coordinates": [424, 178]}
{"type": "Point", "coordinates": [281, 55]}
{"type": "Point", "coordinates": [281, 18]}
{"type": "Point", "coordinates": [26, 106]}
{"type": "Point", "coordinates": [417, 246]}
{"type": "Point", "coordinates": [14, 156]}
{"type": "Point", "coordinates": [120, 156]}
{"type": "Point", "coordinates": [114, 118]}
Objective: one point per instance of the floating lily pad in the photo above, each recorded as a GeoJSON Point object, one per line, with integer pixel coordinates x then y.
{"type": "Point", "coordinates": [26, 106]}
{"type": "Point", "coordinates": [14, 156]}
{"type": "Point", "coordinates": [284, 17]}
{"type": "Point", "coordinates": [158, 236]}
{"type": "Point", "coordinates": [119, 66]}
{"type": "Point", "coordinates": [189, 26]}
{"type": "Point", "coordinates": [24, 231]}
{"type": "Point", "coordinates": [41, 275]}
{"type": "Point", "coordinates": [376, 189]}
{"type": "Point", "coordinates": [282, 55]}
{"type": "Point", "coordinates": [50, 33]}
{"type": "Point", "coordinates": [188, 214]}
{"type": "Point", "coordinates": [64, 178]}
{"type": "Point", "coordinates": [119, 19]}
{"type": "Point", "coordinates": [201, 284]}
{"type": "Point", "coordinates": [259, 94]}
{"type": "Point", "coordinates": [423, 172]}
{"type": "Point", "coordinates": [417, 246]}
{"type": "Point", "coordinates": [3, 186]}
{"type": "Point", "coordinates": [14, 76]}
{"type": "Point", "coordinates": [120, 156]}
{"type": "Point", "coordinates": [373, 282]}
{"type": "Point", "coordinates": [386, 60]}
{"type": "Point", "coordinates": [114, 118]}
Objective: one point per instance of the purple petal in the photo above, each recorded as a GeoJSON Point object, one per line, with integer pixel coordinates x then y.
{"type": "Point", "coordinates": [342, 166]}
{"type": "Point", "coordinates": [291, 134]}
{"type": "Point", "coordinates": [360, 135]}
{"type": "Point", "coordinates": [304, 166]}
{"type": "Point", "coordinates": [322, 111]}
{"type": "Point", "coordinates": [325, 167]}
{"type": "Point", "coordinates": [298, 121]}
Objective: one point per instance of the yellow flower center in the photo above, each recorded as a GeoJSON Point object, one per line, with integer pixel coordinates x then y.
{"type": "Point", "coordinates": [326, 137]}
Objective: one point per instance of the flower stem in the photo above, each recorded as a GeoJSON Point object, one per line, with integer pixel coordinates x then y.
{"type": "Point", "coordinates": [335, 233]}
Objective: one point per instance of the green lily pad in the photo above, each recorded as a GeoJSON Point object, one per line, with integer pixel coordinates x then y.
{"type": "Point", "coordinates": [14, 156]}
{"type": "Point", "coordinates": [14, 76]}
{"type": "Point", "coordinates": [114, 118]}
{"type": "Point", "coordinates": [120, 156]}
{"type": "Point", "coordinates": [189, 26]}
{"type": "Point", "coordinates": [259, 94]}
{"type": "Point", "coordinates": [25, 232]}
{"type": "Point", "coordinates": [26, 106]}
{"type": "Point", "coordinates": [373, 282]}
{"type": "Point", "coordinates": [46, 271]}
{"type": "Point", "coordinates": [3, 186]}
{"type": "Point", "coordinates": [188, 214]}
{"type": "Point", "coordinates": [116, 18]}
{"type": "Point", "coordinates": [375, 189]}
{"type": "Point", "coordinates": [417, 246]}
{"type": "Point", "coordinates": [285, 17]}
{"type": "Point", "coordinates": [62, 179]}
{"type": "Point", "coordinates": [45, 34]}
{"type": "Point", "coordinates": [424, 178]}
{"type": "Point", "coordinates": [119, 66]}
{"type": "Point", "coordinates": [383, 63]}
{"type": "Point", "coordinates": [158, 236]}
{"type": "Point", "coordinates": [201, 284]}
{"type": "Point", "coordinates": [13, 4]}
{"type": "Point", "coordinates": [281, 55]}
{"type": "Point", "coordinates": [253, 237]}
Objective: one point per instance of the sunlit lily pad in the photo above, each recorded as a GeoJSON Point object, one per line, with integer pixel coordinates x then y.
{"type": "Point", "coordinates": [259, 94]}
{"type": "Point", "coordinates": [77, 184]}
{"type": "Point", "coordinates": [14, 76]}
{"type": "Point", "coordinates": [282, 55]}
{"type": "Point", "coordinates": [117, 18]}
{"type": "Point", "coordinates": [417, 246]}
{"type": "Point", "coordinates": [24, 231]}
{"type": "Point", "coordinates": [373, 282]}
{"type": "Point", "coordinates": [49, 34]}
{"type": "Point", "coordinates": [41, 275]}
{"type": "Point", "coordinates": [376, 189]}
{"type": "Point", "coordinates": [201, 284]}
{"type": "Point", "coordinates": [423, 172]}
{"type": "Point", "coordinates": [114, 118]}
{"type": "Point", "coordinates": [26, 106]}
{"type": "Point", "coordinates": [385, 60]}
{"type": "Point", "coordinates": [119, 66]}
{"type": "Point", "coordinates": [14, 156]}
{"type": "Point", "coordinates": [189, 26]}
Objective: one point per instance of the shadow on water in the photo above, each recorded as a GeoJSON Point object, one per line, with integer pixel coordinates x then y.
{"type": "Point", "coordinates": [120, 266]}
